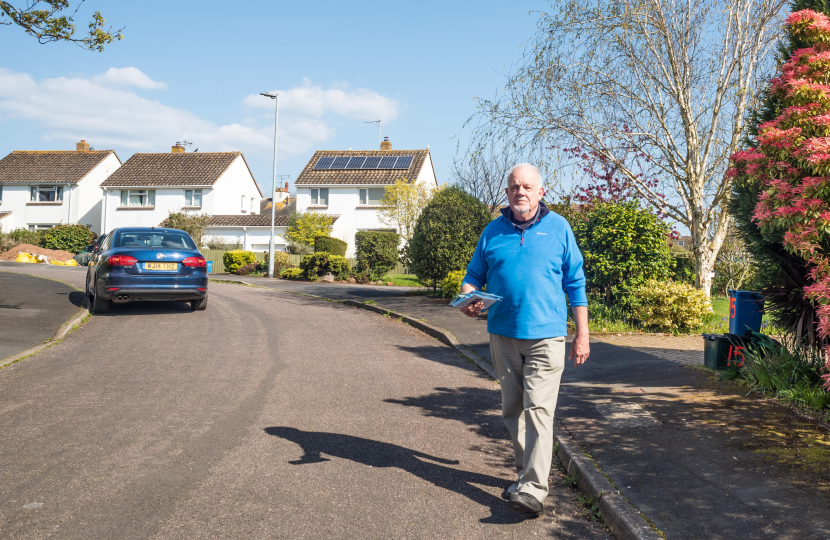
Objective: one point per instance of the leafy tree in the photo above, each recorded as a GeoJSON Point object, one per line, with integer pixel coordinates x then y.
{"type": "Point", "coordinates": [735, 268]}
{"type": "Point", "coordinates": [303, 228]}
{"type": "Point", "coordinates": [49, 24]}
{"type": "Point", "coordinates": [778, 273]}
{"type": "Point", "coordinates": [71, 238]}
{"type": "Point", "coordinates": [659, 90]}
{"type": "Point", "coordinates": [192, 224]}
{"type": "Point", "coordinates": [790, 165]}
{"type": "Point", "coordinates": [401, 205]}
{"type": "Point", "coordinates": [624, 246]}
{"type": "Point", "coordinates": [446, 234]}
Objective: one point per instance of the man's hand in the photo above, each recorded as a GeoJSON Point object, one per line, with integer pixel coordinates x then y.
{"type": "Point", "coordinates": [580, 348]}
{"type": "Point", "coordinates": [473, 310]}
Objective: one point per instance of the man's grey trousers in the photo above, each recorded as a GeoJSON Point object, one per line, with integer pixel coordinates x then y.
{"type": "Point", "coordinates": [529, 371]}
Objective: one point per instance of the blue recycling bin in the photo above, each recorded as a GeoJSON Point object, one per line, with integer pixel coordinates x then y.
{"type": "Point", "coordinates": [210, 267]}
{"type": "Point", "coordinates": [746, 308]}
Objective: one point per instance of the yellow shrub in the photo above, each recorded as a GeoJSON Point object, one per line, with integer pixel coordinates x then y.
{"type": "Point", "coordinates": [280, 260]}
{"type": "Point", "coordinates": [292, 273]}
{"type": "Point", "coordinates": [235, 258]}
{"type": "Point", "coordinates": [452, 283]}
{"type": "Point", "coordinates": [670, 305]}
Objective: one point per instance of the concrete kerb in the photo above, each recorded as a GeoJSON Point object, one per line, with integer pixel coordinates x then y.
{"type": "Point", "coordinates": [623, 520]}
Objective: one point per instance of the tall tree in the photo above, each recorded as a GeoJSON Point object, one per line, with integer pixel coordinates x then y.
{"type": "Point", "coordinates": [779, 274]}
{"type": "Point", "coordinates": [658, 89]}
{"type": "Point", "coordinates": [482, 170]}
{"type": "Point", "coordinates": [47, 21]}
{"type": "Point", "coordinates": [401, 205]}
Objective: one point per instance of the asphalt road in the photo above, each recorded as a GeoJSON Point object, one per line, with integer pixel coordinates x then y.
{"type": "Point", "coordinates": [269, 415]}
{"type": "Point", "coordinates": [32, 309]}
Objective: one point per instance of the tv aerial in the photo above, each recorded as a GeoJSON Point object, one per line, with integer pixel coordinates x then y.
{"type": "Point", "coordinates": [378, 122]}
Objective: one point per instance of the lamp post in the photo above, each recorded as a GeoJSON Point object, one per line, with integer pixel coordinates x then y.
{"type": "Point", "coordinates": [275, 97]}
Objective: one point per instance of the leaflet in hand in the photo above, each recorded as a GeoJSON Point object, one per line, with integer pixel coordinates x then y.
{"type": "Point", "coordinates": [462, 300]}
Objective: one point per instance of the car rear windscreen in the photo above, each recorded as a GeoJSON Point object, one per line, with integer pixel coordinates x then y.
{"type": "Point", "coordinates": [154, 239]}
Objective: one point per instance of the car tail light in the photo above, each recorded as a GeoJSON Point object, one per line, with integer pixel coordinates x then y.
{"type": "Point", "coordinates": [121, 260]}
{"type": "Point", "coordinates": [195, 261]}
{"type": "Point", "coordinates": [201, 288]}
{"type": "Point", "coordinates": [112, 289]}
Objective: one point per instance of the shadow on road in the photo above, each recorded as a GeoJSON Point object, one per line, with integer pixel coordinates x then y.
{"type": "Point", "coordinates": [476, 407]}
{"type": "Point", "coordinates": [148, 308]}
{"type": "Point", "coordinates": [380, 454]}
{"type": "Point", "coordinates": [77, 298]}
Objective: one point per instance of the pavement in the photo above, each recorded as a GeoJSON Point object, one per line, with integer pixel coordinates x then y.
{"type": "Point", "coordinates": [32, 309]}
{"type": "Point", "coordinates": [269, 415]}
{"type": "Point", "coordinates": [698, 458]}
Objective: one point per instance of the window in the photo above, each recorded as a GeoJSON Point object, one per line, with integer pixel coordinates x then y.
{"type": "Point", "coordinates": [47, 194]}
{"type": "Point", "coordinates": [168, 239]}
{"type": "Point", "coordinates": [193, 197]}
{"type": "Point", "coordinates": [320, 196]}
{"type": "Point", "coordinates": [40, 227]}
{"type": "Point", "coordinates": [371, 196]}
{"type": "Point", "coordinates": [243, 203]}
{"type": "Point", "coordinates": [138, 198]}
{"type": "Point", "coordinates": [252, 205]}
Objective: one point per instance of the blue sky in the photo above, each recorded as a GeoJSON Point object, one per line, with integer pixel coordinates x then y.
{"type": "Point", "coordinates": [193, 70]}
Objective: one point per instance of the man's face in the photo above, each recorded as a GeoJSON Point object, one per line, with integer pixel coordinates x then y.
{"type": "Point", "coordinates": [524, 191]}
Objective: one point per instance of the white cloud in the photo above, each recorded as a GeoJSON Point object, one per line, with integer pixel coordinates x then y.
{"type": "Point", "coordinates": [128, 76]}
{"type": "Point", "coordinates": [104, 110]}
{"type": "Point", "coordinates": [315, 101]}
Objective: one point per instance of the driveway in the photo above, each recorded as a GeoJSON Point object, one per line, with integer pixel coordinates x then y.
{"type": "Point", "coordinates": [32, 309]}
{"type": "Point", "coordinates": [269, 415]}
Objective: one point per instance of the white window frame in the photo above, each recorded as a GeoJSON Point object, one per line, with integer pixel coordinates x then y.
{"type": "Point", "coordinates": [363, 196]}
{"type": "Point", "coordinates": [319, 196]}
{"type": "Point", "coordinates": [193, 197]}
{"type": "Point", "coordinates": [242, 206]}
{"type": "Point", "coordinates": [127, 195]}
{"type": "Point", "coordinates": [35, 191]}
{"type": "Point", "coordinates": [34, 227]}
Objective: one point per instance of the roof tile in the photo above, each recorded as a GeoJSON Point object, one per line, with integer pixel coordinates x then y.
{"type": "Point", "coordinates": [169, 169]}
{"type": "Point", "coordinates": [51, 166]}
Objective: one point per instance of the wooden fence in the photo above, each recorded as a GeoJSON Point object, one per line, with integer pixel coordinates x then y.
{"type": "Point", "coordinates": [215, 256]}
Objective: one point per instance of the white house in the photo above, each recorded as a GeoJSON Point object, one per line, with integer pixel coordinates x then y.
{"type": "Point", "coordinates": [40, 189]}
{"type": "Point", "coordinates": [349, 184]}
{"type": "Point", "coordinates": [252, 232]}
{"type": "Point", "coordinates": [144, 191]}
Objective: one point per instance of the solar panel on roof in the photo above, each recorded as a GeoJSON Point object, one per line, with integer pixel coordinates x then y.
{"type": "Point", "coordinates": [340, 163]}
{"type": "Point", "coordinates": [323, 163]}
{"type": "Point", "coordinates": [356, 162]}
{"type": "Point", "coordinates": [372, 162]}
{"type": "Point", "coordinates": [388, 162]}
{"type": "Point", "coordinates": [403, 162]}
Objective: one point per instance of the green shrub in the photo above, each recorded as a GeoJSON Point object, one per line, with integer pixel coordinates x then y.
{"type": "Point", "coordinates": [248, 269]}
{"type": "Point", "coordinates": [446, 234]}
{"type": "Point", "coordinates": [452, 283]}
{"type": "Point", "coordinates": [303, 228]}
{"type": "Point", "coordinates": [280, 261]}
{"type": "Point", "coordinates": [192, 224]}
{"type": "Point", "coordinates": [71, 238]}
{"type": "Point", "coordinates": [236, 258]}
{"type": "Point", "coordinates": [317, 264]}
{"type": "Point", "coordinates": [624, 246]}
{"type": "Point", "coordinates": [20, 236]}
{"type": "Point", "coordinates": [292, 273]}
{"type": "Point", "coordinates": [669, 305]}
{"type": "Point", "coordinates": [377, 252]}
{"type": "Point", "coordinates": [327, 244]}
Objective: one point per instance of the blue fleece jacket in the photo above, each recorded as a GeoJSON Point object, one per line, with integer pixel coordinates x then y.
{"type": "Point", "coordinates": [531, 270]}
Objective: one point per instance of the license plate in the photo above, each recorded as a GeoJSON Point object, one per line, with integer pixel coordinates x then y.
{"type": "Point", "coordinates": [160, 266]}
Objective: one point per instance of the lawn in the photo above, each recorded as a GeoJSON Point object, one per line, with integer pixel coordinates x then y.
{"type": "Point", "coordinates": [403, 280]}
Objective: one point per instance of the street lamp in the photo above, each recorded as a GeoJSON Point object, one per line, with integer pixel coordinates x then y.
{"type": "Point", "coordinates": [275, 97]}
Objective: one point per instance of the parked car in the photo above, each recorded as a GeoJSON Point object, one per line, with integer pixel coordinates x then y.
{"type": "Point", "coordinates": [85, 255]}
{"type": "Point", "coordinates": [147, 263]}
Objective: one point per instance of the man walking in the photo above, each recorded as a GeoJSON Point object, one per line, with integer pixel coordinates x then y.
{"type": "Point", "coordinates": [529, 257]}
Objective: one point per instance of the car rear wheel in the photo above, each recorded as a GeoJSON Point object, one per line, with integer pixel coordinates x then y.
{"type": "Point", "coordinates": [99, 305]}
{"type": "Point", "coordinates": [199, 305]}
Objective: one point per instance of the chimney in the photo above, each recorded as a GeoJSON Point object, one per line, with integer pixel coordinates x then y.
{"type": "Point", "coordinates": [82, 146]}
{"type": "Point", "coordinates": [178, 149]}
{"type": "Point", "coordinates": [386, 145]}
{"type": "Point", "coordinates": [286, 187]}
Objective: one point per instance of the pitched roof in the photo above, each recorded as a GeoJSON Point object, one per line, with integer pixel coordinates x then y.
{"type": "Point", "coordinates": [4, 214]}
{"type": "Point", "coordinates": [256, 220]}
{"type": "Point", "coordinates": [361, 176]}
{"type": "Point", "coordinates": [49, 166]}
{"type": "Point", "coordinates": [169, 169]}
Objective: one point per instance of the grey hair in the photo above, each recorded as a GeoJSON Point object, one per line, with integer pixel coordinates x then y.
{"type": "Point", "coordinates": [536, 172]}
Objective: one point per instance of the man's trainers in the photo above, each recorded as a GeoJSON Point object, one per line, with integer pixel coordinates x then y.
{"type": "Point", "coordinates": [522, 502]}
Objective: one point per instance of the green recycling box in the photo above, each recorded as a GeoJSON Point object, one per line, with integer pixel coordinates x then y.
{"type": "Point", "coordinates": [721, 351]}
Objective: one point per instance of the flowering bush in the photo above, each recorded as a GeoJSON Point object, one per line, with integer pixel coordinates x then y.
{"type": "Point", "coordinates": [669, 305]}
{"type": "Point", "coordinates": [792, 162]}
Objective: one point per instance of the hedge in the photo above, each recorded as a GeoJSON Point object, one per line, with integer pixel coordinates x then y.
{"type": "Point", "coordinates": [236, 258]}
{"type": "Point", "coordinates": [72, 238]}
{"type": "Point", "coordinates": [327, 244]}
{"type": "Point", "coordinates": [377, 252]}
